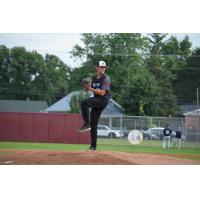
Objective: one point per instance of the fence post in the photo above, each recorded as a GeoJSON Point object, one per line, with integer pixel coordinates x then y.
{"type": "Point", "coordinates": [197, 121]}
{"type": "Point", "coordinates": [121, 124]}
{"type": "Point", "coordinates": [110, 121]}
{"type": "Point", "coordinates": [135, 124]}
{"type": "Point", "coordinates": [151, 122]}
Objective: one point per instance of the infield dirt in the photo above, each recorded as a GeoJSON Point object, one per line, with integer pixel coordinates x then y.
{"type": "Point", "coordinates": [49, 157]}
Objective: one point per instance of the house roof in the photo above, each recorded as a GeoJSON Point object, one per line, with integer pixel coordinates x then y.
{"type": "Point", "coordinates": [193, 113]}
{"type": "Point", "coordinates": [63, 105]}
{"type": "Point", "coordinates": [186, 108]}
{"type": "Point", "coordinates": [22, 106]}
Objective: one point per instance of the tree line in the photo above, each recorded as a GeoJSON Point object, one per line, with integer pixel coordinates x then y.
{"type": "Point", "coordinates": [150, 74]}
{"type": "Point", "coordinates": [29, 75]}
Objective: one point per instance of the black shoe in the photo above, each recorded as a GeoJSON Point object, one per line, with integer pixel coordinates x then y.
{"type": "Point", "coordinates": [84, 128]}
{"type": "Point", "coordinates": [92, 148]}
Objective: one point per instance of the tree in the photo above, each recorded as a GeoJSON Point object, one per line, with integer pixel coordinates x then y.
{"type": "Point", "coordinates": [142, 92]}
{"type": "Point", "coordinates": [75, 101]}
{"type": "Point", "coordinates": [175, 61]}
{"type": "Point", "coordinates": [25, 74]}
{"type": "Point", "coordinates": [143, 69]}
{"type": "Point", "coordinates": [56, 79]}
{"type": "Point", "coordinates": [165, 97]}
{"type": "Point", "coordinates": [175, 54]}
{"type": "Point", "coordinates": [120, 51]}
{"type": "Point", "coordinates": [4, 71]}
{"type": "Point", "coordinates": [78, 74]}
{"type": "Point", "coordinates": [188, 79]}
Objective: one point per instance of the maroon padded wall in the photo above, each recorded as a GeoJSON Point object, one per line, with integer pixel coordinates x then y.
{"type": "Point", "coordinates": [42, 127]}
{"type": "Point", "coordinates": [25, 127]}
{"type": "Point", "coordinates": [9, 126]}
{"type": "Point", "coordinates": [56, 128]}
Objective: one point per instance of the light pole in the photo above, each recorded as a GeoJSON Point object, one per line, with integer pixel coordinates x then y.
{"type": "Point", "coordinates": [197, 98]}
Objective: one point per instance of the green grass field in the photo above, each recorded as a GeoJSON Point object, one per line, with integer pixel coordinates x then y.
{"type": "Point", "coordinates": [103, 144]}
{"type": "Point", "coordinates": [145, 143]}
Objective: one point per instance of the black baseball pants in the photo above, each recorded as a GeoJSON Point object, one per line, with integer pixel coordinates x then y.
{"type": "Point", "coordinates": [97, 105]}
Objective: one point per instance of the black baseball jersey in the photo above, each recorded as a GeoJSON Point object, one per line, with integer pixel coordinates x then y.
{"type": "Point", "coordinates": [178, 134]}
{"type": "Point", "coordinates": [167, 132]}
{"type": "Point", "coordinates": [102, 83]}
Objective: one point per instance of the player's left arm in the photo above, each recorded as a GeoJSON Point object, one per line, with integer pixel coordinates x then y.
{"type": "Point", "coordinates": [101, 92]}
{"type": "Point", "coordinates": [98, 92]}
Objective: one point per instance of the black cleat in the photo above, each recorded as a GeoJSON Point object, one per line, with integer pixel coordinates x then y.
{"type": "Point", "coordinates": [92, 148]}
{"type": "Point", "coordinates": [84, 128]}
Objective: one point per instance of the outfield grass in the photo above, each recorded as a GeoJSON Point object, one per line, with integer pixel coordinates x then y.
{"type": "Point", "coordinates": [149, 143]}
{"type": "Point", "coordinates": [116, 141]}
{"type": "Point", "coordinates": [101, 146]}
{"type": "Point", "coordinates": [41, 146]}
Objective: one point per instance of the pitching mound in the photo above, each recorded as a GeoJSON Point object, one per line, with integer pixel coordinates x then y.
{"type": "Point", "coordinates": [44, 157]}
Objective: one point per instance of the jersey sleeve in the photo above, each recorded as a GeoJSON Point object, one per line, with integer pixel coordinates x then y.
{"type": "Point", "coordinates": [106, 84]}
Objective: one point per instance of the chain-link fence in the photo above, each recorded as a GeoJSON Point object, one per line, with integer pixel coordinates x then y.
{"type": "Point", "coordinates": [115, 130]}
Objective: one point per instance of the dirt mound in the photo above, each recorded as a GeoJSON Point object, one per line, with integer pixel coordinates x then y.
{"type": "Point", "coordinates": [43, 157]}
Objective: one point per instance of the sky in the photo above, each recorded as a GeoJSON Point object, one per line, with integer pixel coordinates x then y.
{"type": "Point", "coordinates": [52, 43]}
{"type": "Point", "coordinates": [60, 44]}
